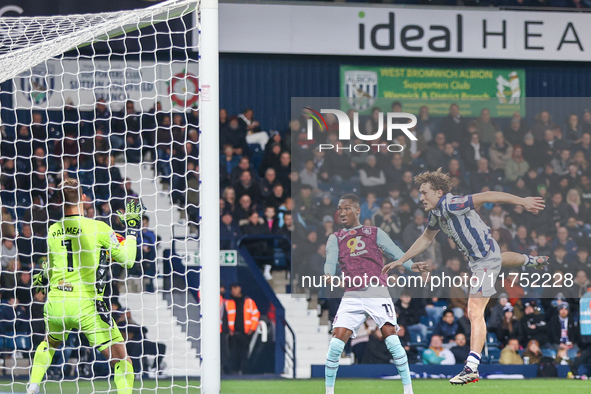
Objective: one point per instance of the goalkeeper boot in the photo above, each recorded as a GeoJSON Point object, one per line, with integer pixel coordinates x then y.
{"type": "Point", "coordinates": [466, 376]}
{"type": "Point", "coordinates": [538, 262]}
{"type": "Point", "coordinates": [32, 388]}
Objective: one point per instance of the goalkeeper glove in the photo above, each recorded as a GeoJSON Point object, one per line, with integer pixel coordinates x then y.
{"type": "Point", "coordinates": [132, 216]}
{"type": "Point", "coordinates": [40, 282]}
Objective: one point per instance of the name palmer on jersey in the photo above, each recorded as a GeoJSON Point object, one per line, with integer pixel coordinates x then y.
{"type": "Point", "coordinates": [68, 231]}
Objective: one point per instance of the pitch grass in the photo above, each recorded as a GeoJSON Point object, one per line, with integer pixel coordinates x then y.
{"type": "Point", "coordinates": [316, 386]}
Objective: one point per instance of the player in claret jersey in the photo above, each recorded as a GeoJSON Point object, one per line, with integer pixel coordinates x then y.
{"type": "Point", "coordinates": [358, 250]}
{"type": "Point", "coordinates": [457, 218]}
{"type": "Point", "coordinates": [76, 272]}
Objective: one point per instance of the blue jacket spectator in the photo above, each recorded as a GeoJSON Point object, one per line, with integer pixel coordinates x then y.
{"type": "Point", "coordinates": [447, 328]}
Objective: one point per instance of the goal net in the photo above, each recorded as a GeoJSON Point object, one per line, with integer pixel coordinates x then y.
{"type": "Point", "coordinates": [111, 100]}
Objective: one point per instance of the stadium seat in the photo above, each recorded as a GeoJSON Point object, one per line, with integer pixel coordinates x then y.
{"type": "Point", "coordinates": [435, 312]}
{"type": "Point", "coordinates": [417, 338]}
{"type": "Point", "coordinates": [549, 353]}
{"type": "Point", "coordinates": [491, 340]}
{"type": "Point", "coordinates": [494, 355]}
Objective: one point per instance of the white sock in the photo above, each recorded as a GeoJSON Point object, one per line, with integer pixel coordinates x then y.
{"type": "Point", "coordinates": [408, 389]}
{"type": "Point", "coordinates": [473, 361]}
{"type": "Point", "coordinates": [329, 389]}
{"type": "Point", "coordinates": [32, 387]}
{"type": "Point", "coordinates": [525, 258]}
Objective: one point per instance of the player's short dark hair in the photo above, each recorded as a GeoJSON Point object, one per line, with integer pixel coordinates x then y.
{"type": "Point", "coordinates": [71, 191]}
{"type": "Point", "coordinates": [352, 197]}
{"type": "Point", "coordinates": [438, 180]}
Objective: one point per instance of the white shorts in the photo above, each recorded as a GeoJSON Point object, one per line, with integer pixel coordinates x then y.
{"type": "Point", "coordinates": [485, 272]}
{"type": "Point", "coordinates": [356, 307]}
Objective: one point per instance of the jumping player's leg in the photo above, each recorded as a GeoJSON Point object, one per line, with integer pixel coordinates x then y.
{"type": "Point", "coordinates": [512, 259]}
{"type": "Point", "coordinates": [476, 307]}
{"type": "Point", "coordinates": [398, 354]}
{"type": "Point", "coordinates": [340, 336]}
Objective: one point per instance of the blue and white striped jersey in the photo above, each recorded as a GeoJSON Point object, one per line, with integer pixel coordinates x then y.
{"type": "Point", "coordinates": [457, 218]}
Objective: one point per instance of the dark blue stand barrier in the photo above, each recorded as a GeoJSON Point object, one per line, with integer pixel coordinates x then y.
{"type": "Point", "coordinates": [381, 370]}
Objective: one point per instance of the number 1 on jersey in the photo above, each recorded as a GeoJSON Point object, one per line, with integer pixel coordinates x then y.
{"type": "Point", "coordinates": [68, 244]}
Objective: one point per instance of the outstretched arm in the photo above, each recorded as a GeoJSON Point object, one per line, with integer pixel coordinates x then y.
{"type": "Point", "coordinates": [529, 203]}
{"type": "Point", "coordinates": [417, 247]}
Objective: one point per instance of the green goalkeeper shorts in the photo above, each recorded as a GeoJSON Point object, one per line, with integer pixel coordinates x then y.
{"type": "Point", "coordinates": [85, 315]}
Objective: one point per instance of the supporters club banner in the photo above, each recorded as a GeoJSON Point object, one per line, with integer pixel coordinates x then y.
{"type": "Point", "coordinates": [385, 30]}
{"type": "Point", "coordinates": [473, 89]}
{"type": "Point", "coordinates": [81, 83]}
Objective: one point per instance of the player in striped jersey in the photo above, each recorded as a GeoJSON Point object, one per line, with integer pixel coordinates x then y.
{"type": "Point", "coordinates": [458, 220]}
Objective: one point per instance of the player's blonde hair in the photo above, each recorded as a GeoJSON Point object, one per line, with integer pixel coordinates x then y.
{"type": "Point", "coordinates": [438, 180]}
{"type": "Point", "coordinates": [71, 191]}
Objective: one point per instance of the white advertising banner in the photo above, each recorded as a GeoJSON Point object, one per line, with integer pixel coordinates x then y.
{"type": "Point", "coordinates": [55, 83]}
{"type": "Point", "coordinates": [405, 31]}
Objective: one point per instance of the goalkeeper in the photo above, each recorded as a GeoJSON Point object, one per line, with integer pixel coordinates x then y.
{"type": "Point", "coordinates": [76, 274]}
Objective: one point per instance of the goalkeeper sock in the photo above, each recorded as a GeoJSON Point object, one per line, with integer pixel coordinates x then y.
{"type": "Point", "coordinates": [124, 377]}
{"type": "Point", "coordinates": [42, 361]}
{"type": "Point", "coordinates": [400, 360]}
{"type": "Point", "coordinates": [332, 362]}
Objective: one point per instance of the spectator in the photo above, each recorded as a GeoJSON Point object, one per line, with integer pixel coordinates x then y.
{"type": "Point", "coordinates": [434, 153]}
{"type": "Point", "coordinates": [409, 311]}
{"type": "Point", "coordinates": [235, 136]}
{"type": "Point", "coordinates": [533, 352]}
{"type": "Point", "coordinates": [395, 170]}
{"type": "Point", "coordinates": [387, 220]}
{"type": "Point", "coordinates": [15, 328]}
{"type": "Point", "coordinates": [246, 185]}
{"type": "Point", "coordinates": [543, 123]}
{"type": "Point", "coordinates": [454, 126]}
{"type": "Point", "coordinates": [584, 145]}
{"type": "Point", "coordinates": [510, 354]}
{"type": "Point", "coordinates": [243, 320]}
{"type": "Point", "coordinates": [244, 207]}
{"type": "Point", "coordinates": [516, 130]}
{"type": "Point", "coordinates": [229, 231]}
{"type": "Point", "coordinates": [581, 283]}
{"type": "Point", "coordinates": [509, 328]}
{"type": "Point", "coordinates": [573, 130]}
{"type": "Point", "coordinates": [522, 242]}
{"type": "Point", "coordinates": [516, 166]}
{"type": "Point", "coordinates": [436, 354]}
{"type": "Point", "coordinates": [369, 207]}
{"type": "Point", "coordinates": [271, 159]}
{"type": "Point", "coordinates": [413, 231]}
{"type": "Point", "coordinates": [561, 163]}
{"type": "Point", "coordinates": [563, 330]}
{"type": "Point", "coordinates": [500, 152]}
{"type": "Point", "coordinates": [308, 175]}
{"type": "Point", "coordinates": [425, 125]}
{"type": "Point", "coordinates": [533, 325]}
{"type": "Point", "coordinates": [258, 247]}
{"type": "Point", "coordinates": [496, 312]}
{"type": "Point", "coordinates": [562, 238]}
{"type": "Point", "coordinates": [461, 350]}
{"type": "Point", "coordinates": [488, 128]}
{"type": "Point", "coordinates": [267, 183]}
{"type": "Point", "coordinates": [9, 252]}
{"type": "Point", "coordinates": [228, 161]}
{"type": "Point", "coordinates": [376, 351]}
{"type": "Point", "coordinates": [483, 177]}
{"type": "Point", "coordinates": [250, 128]}
{"type": "Point", "coordinates": [473, 152]}
{"type": "Point", "coordinates": [447, 327]}
{"type": "Point", "coordinates": [372, 178]}
{"type": "Point", "coordinates": [326, 206]}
